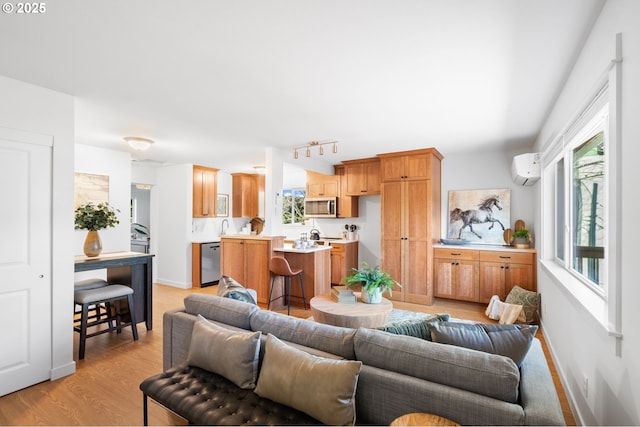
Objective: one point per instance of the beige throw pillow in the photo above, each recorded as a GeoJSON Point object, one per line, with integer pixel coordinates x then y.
{"type": "Point", "coordinates": [232, 354]}
{"type": "Point", "coordinates": [322, 388]}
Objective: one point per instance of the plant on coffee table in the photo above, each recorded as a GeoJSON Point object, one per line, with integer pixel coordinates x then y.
{"type": "Point", "coordinates": [373, 280]}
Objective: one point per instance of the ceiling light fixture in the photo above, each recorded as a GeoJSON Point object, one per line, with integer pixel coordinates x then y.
{"type": "Point", "coordinates": [138, 143]}
{"type": "Point", "coordinates": [307, 147]}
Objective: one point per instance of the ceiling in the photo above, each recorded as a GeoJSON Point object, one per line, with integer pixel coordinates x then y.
{"type": "Point", "coordinates": [214, 82]}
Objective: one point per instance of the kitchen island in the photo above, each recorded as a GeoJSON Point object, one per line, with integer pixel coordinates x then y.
{"type": "Point", "coordinates": [315, 263]}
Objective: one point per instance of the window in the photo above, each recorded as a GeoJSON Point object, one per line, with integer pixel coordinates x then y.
{"type": "Point", "coordinates": [293, 206]}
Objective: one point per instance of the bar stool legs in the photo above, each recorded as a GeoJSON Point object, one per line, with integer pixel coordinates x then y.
{"type": "Point", "coordinates": [280, 267]}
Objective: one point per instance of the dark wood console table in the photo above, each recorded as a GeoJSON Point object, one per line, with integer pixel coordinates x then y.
{"type": "Point", "coordinates": [132, 269]}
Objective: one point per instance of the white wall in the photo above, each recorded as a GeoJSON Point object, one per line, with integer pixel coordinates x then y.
{"type": "Point", "coordinates": [31, 108]}
{"type": "Point", "coordinates": [579, 343]}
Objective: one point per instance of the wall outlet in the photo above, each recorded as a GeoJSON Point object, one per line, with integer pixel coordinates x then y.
{"type": "Point", "coordinates": [585, 385]}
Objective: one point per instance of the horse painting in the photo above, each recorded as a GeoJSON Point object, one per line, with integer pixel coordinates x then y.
{"type": "Point", "coordinates": [482, 215]}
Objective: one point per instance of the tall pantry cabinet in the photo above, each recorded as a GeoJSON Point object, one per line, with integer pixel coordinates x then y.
{"type": "Point", "coordinates": [410, 221]}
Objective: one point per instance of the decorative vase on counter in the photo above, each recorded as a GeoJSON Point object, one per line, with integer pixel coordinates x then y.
{"type": "Point", "coordinates": [372, 297]}
{"type": "Point", "coordinates": [92, 244]}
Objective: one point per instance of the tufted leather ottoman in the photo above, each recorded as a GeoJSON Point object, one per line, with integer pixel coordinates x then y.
{"type": "Point", "coordinates": [205, 398]}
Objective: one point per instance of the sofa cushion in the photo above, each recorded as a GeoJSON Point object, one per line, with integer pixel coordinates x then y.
{"type": "Point", "coordinates": [230, 288]}
{"type": "Point", "coordinates": [414, 327]}
{"type": "Point", "coordinates": [322, 388]}
{"type": "Point", "coordinates": [483, 373]}
{"type": "Point", "coordinates": [512, 341]}
{"type": "Point", "coordinates": [234, 355]}
{"type": "Point", "coordinates": [331, 339]}
{"type": "Point", "coordinates": [225, 310]}
{"type": "Point", "coordinates": [529, 300]}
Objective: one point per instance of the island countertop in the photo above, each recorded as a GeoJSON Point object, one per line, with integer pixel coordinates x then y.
{"type": "Point", "coordinates": [302, 251]}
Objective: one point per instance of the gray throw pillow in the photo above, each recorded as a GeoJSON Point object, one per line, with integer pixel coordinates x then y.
{"type": "Point", "coordinates": [414, 327]}
{"type": "Point", "coordinates": [234, 355]}
{"type": "Point", "coordinates": [230, 288]}
{"type": "Point", "coordinates": [512, 341]}
{"type": "Point", "coordinates": [322, 388]}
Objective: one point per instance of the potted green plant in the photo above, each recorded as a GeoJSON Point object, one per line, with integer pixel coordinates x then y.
{"type": "Point", "coordinates": [521, 238]}
{"type": "Point", "coordinates": [93, 218]}
{"type": "Point", "coordinates": [373, 281]}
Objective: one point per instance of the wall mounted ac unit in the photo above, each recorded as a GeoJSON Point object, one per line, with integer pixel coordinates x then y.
{"type": "Point", "coordinates": [525, 168]}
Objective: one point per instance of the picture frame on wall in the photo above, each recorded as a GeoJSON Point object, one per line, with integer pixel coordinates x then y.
{"type": "Point", "coordinates": [90, 188]}
{"type": "Point", "coordinates": [479, 216]}
{"type": "Point", "coordinates": [222, 205]}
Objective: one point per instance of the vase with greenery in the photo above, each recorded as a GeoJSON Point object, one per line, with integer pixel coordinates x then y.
{"type": "Point", "coordinates": [93, 218]}
{"type": "Point", "coordinates": [521, 238]}
{"type": "Point", "coordinates": [373, 281]}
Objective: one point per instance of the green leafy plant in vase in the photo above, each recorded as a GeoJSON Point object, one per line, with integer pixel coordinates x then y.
{"type": "Point", "coordinates": [93, 218]}
{"type": "Point", "coordinates": [374, 282]}
{"type": "Point", "coordinates": [521, 238]}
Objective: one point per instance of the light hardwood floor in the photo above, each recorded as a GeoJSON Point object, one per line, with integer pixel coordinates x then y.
{"type": "Point", "coordinates": [104, 390]}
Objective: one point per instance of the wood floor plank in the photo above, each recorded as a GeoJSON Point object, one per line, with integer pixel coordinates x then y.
{"type": "Point", "coordinates": [105, 388]}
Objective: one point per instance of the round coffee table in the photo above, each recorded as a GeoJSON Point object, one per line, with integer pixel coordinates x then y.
{"type": "Point", "coordinates": [326, 310]}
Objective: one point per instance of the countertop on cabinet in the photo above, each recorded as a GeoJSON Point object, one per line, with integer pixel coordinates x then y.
{"type": "Point", "coordinates": [205, 240]}
{"type": "Point", "coordinates": [249, 237]}
{"type": "Point", "coordinates": [303, 251]}
{"type": "Point", "coordinates": [485, 248]}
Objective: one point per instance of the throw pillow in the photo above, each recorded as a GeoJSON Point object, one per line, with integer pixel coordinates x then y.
{"type": "Point", "coordinates": [414, 327]}
{"type": "Point", "coordinates": [230, 288]}
{"type": "Point", "coordinates": [234, 355]}
{"type": "Point", "coordinates": [322, 388]}
{"type": "Point", "coordinates": [528, 299]}
{"type": "Point", "coordinates": [512, 341]}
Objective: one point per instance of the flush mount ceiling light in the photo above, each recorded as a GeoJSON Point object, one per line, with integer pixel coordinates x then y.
{"type": "Point", "coordinates": [138, 143]}
{"type": "Point", "coordinates": [313, 144]}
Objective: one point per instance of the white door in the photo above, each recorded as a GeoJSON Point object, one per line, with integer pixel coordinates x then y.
{"type": "Point", "coordinates": [25, 259]}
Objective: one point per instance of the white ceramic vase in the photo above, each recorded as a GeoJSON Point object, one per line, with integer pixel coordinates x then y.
{"type": "Point", "coordinates": [372, 297]}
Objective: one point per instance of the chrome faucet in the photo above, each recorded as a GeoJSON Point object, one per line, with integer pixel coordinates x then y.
{"type": "Point", "coordinates": [222, 231]}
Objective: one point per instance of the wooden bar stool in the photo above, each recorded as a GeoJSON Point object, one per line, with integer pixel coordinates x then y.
{"type": "Point", "coordinates": [104, 295]}
{"type": "Point", "coordinates": [280, 267]}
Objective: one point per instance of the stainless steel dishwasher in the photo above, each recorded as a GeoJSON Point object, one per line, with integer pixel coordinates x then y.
{"type": "Point", "coordinates": [210, 263]}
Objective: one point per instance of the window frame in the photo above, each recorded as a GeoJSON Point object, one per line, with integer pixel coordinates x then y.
{"type": "Point", "coordinates": [293, 190]}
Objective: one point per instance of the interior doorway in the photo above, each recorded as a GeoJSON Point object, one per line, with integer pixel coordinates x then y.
{"type": "Point", "coordinates": [140, 218]}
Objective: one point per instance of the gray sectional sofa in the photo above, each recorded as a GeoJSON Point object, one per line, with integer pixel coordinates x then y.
{"type": "Point", "coordinates": [399, 374]}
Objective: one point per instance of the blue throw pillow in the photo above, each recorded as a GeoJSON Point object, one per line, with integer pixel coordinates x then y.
{"type": "Point", "coordinates": [229, 288]}
{"type": "Point", "coordinates": [414, 327]}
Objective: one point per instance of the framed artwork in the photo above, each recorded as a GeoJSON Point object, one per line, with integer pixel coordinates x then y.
{"type": "Point", "coordinates": [90, 188]}
{"type": "Point", "coordinates": [479, 216]}
{"type": "Point", "coordinates": [222, 205]}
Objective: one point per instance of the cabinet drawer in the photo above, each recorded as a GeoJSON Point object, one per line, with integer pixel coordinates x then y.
{"type": "Point", "coordinates": [466, 254]}
{"type": "Point", "coordinates": [337, 249]}
{"type": "Point", "coordinates": [504, 256]}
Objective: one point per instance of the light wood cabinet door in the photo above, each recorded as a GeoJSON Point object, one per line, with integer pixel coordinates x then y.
{"type": "Point", "coordinates": [456, 279]}
{"type": "Point", "coordinates": [257, 257]}
{"type": "Point", "coordinates": [415, 166]}
{"type": "Point", "coordinates": [500, 271]}
{"type": "Point", "coordinates": [204, 192]}
{"type": "Point", "coordinates": [492, 280]}
{"type": "Point", "coordinates": [363, 178]}
{"type": "Point", "coordinates": [233, 259]}
{"type": "Point", "coordinates": [444, 280]}
{"type": "Point", "coordinates": [347, 205]}
{"type": "Point", "coordinates": [321, 185]}
{"type": "Point", "coordinates": [245, 195]}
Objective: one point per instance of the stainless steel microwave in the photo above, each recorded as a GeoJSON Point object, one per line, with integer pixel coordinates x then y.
{"type": "Point", "coordinates": [320, 207]}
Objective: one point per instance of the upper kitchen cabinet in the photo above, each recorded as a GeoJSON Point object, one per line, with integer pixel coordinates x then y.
{"type": "Point", "coordinates": [362, 177]}
{"type": "Point", "coordinates": [412, 165]}
{"type": "Point", "coordinates": [205, 191]}
{"type": "Point", "coordinates": [321, 185]}
{"type": "Point", "coordinates": [247, 189]}
{"type": "Point", "coordinates": [347, 205]}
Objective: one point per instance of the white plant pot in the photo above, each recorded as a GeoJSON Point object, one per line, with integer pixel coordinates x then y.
{"type": "Point", "coordinates": [373, 297]}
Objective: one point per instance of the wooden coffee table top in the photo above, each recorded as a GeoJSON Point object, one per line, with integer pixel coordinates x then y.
{"type": "Point", "coordinates": [420, 419]}
{"type": "Point", "coordinates": [326, 310]}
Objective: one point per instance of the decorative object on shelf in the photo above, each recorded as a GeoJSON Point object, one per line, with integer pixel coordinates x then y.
{"type": "Point", "coordinates": [522, 238]}
{"type": "Point", "coordinates": [93, 218]}
{"type": "Point", "coordinates": [343, 295]}
{"type": "Point", "coordinates": [454, 241]}
{"type": "Point", "coordinates": [313, 144]}
{"type": "Point", "coordinates": [373, 281]}
{"type": "Point", "coordinates": [138, 143]}
{"type": "Point", "coordinates": [479, 215]}
{"type": "Point", "coordinates": [508, 236]}
{"type": "Point", "coordinates": [350, 234]}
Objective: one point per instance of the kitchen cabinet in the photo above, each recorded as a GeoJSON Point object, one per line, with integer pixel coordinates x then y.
{"type": "Point", "coordinates": [316, 272]}
{"type": "Point", "coordinates": [347, 205]}
{"type": "Point", "coordinates": [410, 223]}
{"type": "Point", "coordinates": [246, 259]}
{"type": "Point", "coordinates": [502, 270]}
{"type": "Point", "coordinates": [204, 192]}
{"type": "Point", "coordinates": [321, 185]}
{"type": "Point", "coordinates": [414, 165]}
{"type": "Point", "coordinates": [456, 274]}
{"type": "Point", "coordinates": [362, 177]}
{"type": "Point", "coordinates": [245, 196]}
{"type": "Point", "coordinates": [344, 257]}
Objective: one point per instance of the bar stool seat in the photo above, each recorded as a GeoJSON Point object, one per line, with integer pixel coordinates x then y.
{"type": "Point", "coordinates": [83, 285]}
{"type": "Point", "coordinates": [107, 295]}
{"type": "Point", "coordinates": [279, 266]}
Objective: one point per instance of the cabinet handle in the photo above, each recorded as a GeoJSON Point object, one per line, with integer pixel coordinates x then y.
{"type": "Point", "coordinates": [502, 267]}
{"type": "Point", "coordinates": [506, 267]}
{"type": "Point", "coordinates": [505, 257]}
{"type": "Point", "coordinates": [454, 254]}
